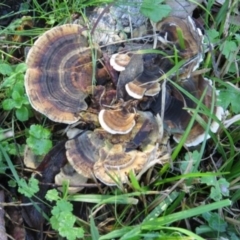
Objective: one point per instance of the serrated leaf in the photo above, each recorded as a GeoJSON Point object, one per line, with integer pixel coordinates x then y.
{"type": "Point", "coordinates": [39, 146]}
{"type": "Point", "coordinates": [28, 189]}
{"type": "Point", "coordinates": [213, 35]}
{"type": "Point", "coordinates": [228, 49]}
{"type": "Point", "coordinates": [191, 156]}
{"type": "Point", "coordinates": [38, 140]}
{"type": "Point", "coordinates": [8, 104]}
{"type": "Point", "coordinates": [230, 96]}
{"type": "Point", "coordinates": [54, 222]}
{"type": "Point", "coordinates": [40, 132]}
{"type": "Point", "coordinates": [207, 216]}
{"type": "Point", "coordinates": [16, 149]}
{"type": "Point", "coordinates": [63, 220]}
{"type": "Point", "coordinates": [52, 195]}
{"type": "Point", "coordinates": [209, 180]}
{"type": "Point", "coordinates": [22, 114]}
{"type": "Point", "coordinates": [215, 194]}
{"type": "Point", "coordinates": [62, 205]}
{"type": "Point", "coordinates": [217, 223]}
{"type": "Point", "coordinates": [154, 10]}
{"type": "Point", "coordinates": [5, 69]}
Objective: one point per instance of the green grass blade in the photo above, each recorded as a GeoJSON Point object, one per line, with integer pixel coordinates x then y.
{"type": "Point", "coordinates": [94, 229]}
{"type": "Point", "coordinates": [158, 223]}
{"type": "Point", "coordinates": [184, 231]}
{"type": "Point", "coordinates": [102, 199]}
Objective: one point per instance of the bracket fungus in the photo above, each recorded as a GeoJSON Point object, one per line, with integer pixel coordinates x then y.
{"type": "Point", "coordinates": [115, 164]}
{"type": "Point", "coordinates": [119, 61]}
{"type": "Point", "coordinates": [59, 79]}
{"type": "Point", "coordinates": [82, 152]}
{"type": "Point", "coordinates": [69, 174]}
{"type": "Point", "coordinates": [176, 118]}
{"type": "Point", "coordinates": [186, 37]}
{"type": "Point", "coordinates": [59, 73]}
{"type": "Point", "coordinates": [110, 157]}
{"type": "Point", "coordinates": [116, 121]}
{"type": "Point", "coordinates": [140, 77]}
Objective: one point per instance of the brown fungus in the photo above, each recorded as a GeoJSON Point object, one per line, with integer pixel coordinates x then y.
{"type": "Point", "coordinates": [177, 118]}
{"type": "Point", "coordinates": [110, 157]}
{"type": "Point", "coordinates": [119, 61]}
{"type": "Point", "coordinates": [59, 73]}
{"type": "Point", "coordinates": [82, 152]}
{"type": "Point", "coordinates": [183, 35]}
{"type": "Point", "coordinates": [115, 164]}
{"type": "Point", "coordinates": [116, 121]}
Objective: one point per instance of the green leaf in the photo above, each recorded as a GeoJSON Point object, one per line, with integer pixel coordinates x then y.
{"type": "Point", "coordinates": [16, 149]}
{"type": "Point", "coordinates": [28, 189]}
{"type": "Point", "coordinates": [154, 10]}
{"type": "Point", "coordinates": [213, 35]}
{"type": "Point", "coordinates": [61, 206]}
{"type": "Point", "coordinates": [237, 36]}
{"type": "Point", "coordinates": [224, 186]}
{"type": "Point", "coordinates": [40, 132]}
{"type": "Point", "coordinates": [38, 140]}
{"type": "Point", "coordinates": [21, 68]}
{"type": "Point", "coordinates": [215, 194]}
{"type": "Point", "coordinates": [228, 49]}
{"type": "Point", "coordinates": [63, 220]}
{"type": "Point", "coordinates": [52, 195]}
{"type": "Point", "coordinates": [19, 87]}
{"type": "Point", "coordinates": [217, 223]}
{"type": "Point", "coordinates": [25, 100]}
{"type": "Point", "coordinates": [9, 81]}
{"type": "Point", "coordinates": [66, 222]}
{"type": "Point", "coordinates": [8, 104]}
{"type": "Point", "coordinates": [3, 166]}
{"type": "Point", "coordinates": [190, 158]}
{"type": "Point", "coordinates": [54, 222]}
{"type": "Point", "coordinates": [66, 229]}
{"type": "Point", "coordinates": [12, 183]}
{"type": "Point", "coordinates": [16, 96]}
{"type": "Point", "coordinates": [39, 146]}
{"type": "Point", "coordinates": [230, 96]}
{"type": "Point", "coordinates": [209, 180]}
{"type": "Point", "coordinates": [22, 114]}
{"type": "Point", "coordinates": [5, 69]}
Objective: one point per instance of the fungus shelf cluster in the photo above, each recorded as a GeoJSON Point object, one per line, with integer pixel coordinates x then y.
{"type": "Point", "coordinates": [127, 116]}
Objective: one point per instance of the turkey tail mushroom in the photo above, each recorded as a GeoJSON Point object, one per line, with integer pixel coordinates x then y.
{"type": "Point", "coordinates": [118, 121]}
{"type": "Point", "coordinates": [176, 118]}
{"type": "Point", "coordinates": [59, 73]}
